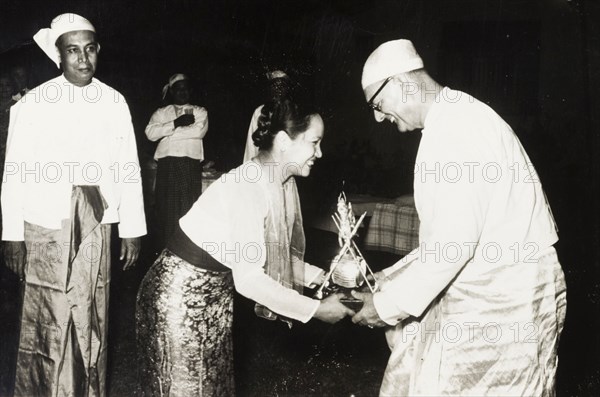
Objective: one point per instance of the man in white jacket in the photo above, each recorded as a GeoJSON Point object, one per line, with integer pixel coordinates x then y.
{"type": "Point", "coordinates": [71, 171]}
{"type": "Point", "coordinates": [179, 127]}
{"type": "Point", "coordinates": [478, 307]}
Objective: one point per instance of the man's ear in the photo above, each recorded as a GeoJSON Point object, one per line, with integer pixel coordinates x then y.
{"type": "Point", "coordinates": [406, 84]}
{"type": "Point", "coordinates": [98, 47]}
{"type": "Point", "coordinates": [401, 78]}
{"type": "Point", "coordinates": [58, 54]}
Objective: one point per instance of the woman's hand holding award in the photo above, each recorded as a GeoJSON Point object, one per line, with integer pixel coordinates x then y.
{"type": "Point", "coordinates": [348, 270]}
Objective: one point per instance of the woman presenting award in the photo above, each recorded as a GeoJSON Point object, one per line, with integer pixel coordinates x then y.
{"type": "Point", "coordinates": [245, 232]}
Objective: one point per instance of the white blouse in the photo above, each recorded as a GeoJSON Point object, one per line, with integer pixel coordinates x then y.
{"type": "Point", "coordinates": [228, 221]}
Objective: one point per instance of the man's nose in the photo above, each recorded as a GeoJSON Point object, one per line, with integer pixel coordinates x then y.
{"type": "Point", "coordinates": [83, 57]}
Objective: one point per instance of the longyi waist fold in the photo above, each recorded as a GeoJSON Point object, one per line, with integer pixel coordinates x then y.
{"type": "Point", "coordinates": [182, 246]}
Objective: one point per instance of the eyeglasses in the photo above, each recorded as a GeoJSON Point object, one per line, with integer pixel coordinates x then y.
{"type": "Point", "coordinates": [370, 101]}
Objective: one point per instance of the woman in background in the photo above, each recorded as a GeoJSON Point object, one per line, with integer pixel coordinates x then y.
{"type": "Point", "coordinates": [245, 232]}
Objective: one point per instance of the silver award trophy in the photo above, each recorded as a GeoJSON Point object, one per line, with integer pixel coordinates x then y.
{"type": "Point", "coordinates": [348, 270]}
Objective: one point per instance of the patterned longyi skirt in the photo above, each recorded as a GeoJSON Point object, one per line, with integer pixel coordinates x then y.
{"type": "Point", "coordinates": [184, 341]}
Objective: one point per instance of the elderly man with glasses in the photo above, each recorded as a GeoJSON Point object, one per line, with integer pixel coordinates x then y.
{"type": "Point", "coordinates": [478, 307]}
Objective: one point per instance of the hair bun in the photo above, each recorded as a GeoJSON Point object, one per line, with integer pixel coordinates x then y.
{"type": "Point", "coordinates": [285, 114]}
{"type": "Point", "coordinates": [262, 136]}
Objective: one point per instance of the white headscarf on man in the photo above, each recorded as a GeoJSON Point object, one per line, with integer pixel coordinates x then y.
{"type": "Point", "coordinates": [64, 23]}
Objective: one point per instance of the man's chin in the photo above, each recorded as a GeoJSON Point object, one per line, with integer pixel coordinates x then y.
{"type": "Point", "coordinates": [401, 127]}
{"type": "Point", "coordinates": [80, 79]}
{"type": "Point", "coordinates": [81, 82]}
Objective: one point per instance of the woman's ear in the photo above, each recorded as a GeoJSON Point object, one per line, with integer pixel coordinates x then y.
{"type": "Point", "coordinates": [282, 141]}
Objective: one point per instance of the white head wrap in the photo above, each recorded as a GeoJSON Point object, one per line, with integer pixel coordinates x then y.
{"type": "Point", "coordinates": [64, 23]}
{"type": "Point", "coordinates": [389, 59]}
{"type": "Point", "coordinates": [172, 80]}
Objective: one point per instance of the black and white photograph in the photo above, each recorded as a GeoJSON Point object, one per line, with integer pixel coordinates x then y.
{"type": "Point", "coordinates": [299, 198]}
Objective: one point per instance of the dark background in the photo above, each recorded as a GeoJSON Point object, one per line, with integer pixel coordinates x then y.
{"type": "Point", "coordinates": [535, 62]}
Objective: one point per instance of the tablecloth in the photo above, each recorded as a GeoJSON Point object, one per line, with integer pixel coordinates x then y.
{"type": "Point", "coordinates": [394, 228]}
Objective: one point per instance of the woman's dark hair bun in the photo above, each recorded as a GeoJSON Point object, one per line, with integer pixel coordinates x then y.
{"type": "Point", "coordinates": [291, 115]}
{"type": "Point", "coordinates": [261, 137]}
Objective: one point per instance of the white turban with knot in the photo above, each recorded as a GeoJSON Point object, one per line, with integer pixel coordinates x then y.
{"type": "Point", "coordinates": [64, 23]}
{"type": "Point", "coordinates": [172, 80]}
